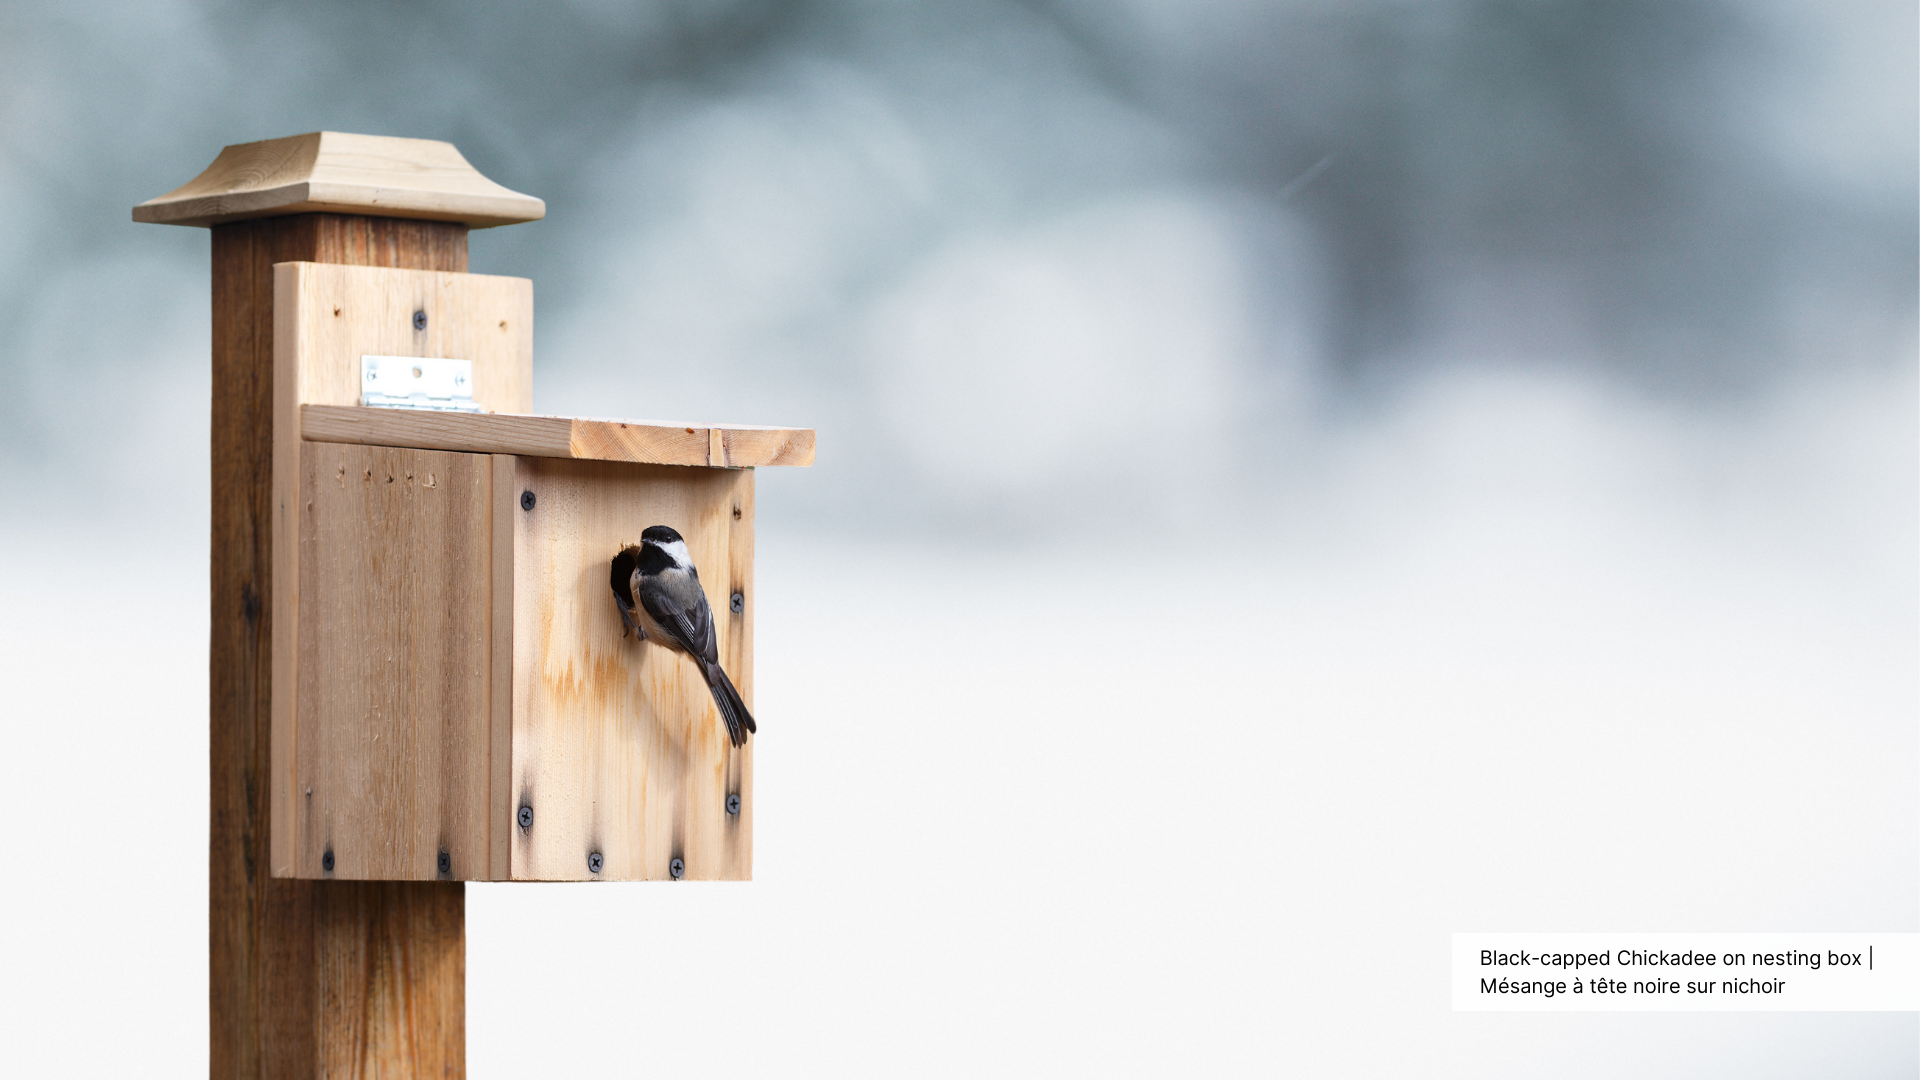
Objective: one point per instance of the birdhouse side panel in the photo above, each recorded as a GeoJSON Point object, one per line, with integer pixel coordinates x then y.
{"type": "Point", "coordinates": [393, 711]}
{"type": "Point", "coordinates": [326, 318]}
{"type": "Point", "coordinates": [621, 764]}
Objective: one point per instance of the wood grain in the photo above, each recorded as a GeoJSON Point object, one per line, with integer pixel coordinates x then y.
{"type": "Point", "coordinates": [736, 655]}
{"type": "Point", "coordinates": [502, 800]}
{"type": "Point", "coordinates": [561, 437]}
{"type": "Point", "coordinates": [617, 745]}
{"type": "Point", "coordinates": [332, 171]}
{"type": "Point", "coordinates": [394, 731]}
{"type": "Point", "coordinates": [459, 655]}
{"type": "Point", "coordinates": [391, 975]}
{"type": "Point", "coordinates": [334, 315]}
{"type": "Point", "coordinates": [267, 936]}
{"type": "Point", "coordinates": [325, 318]}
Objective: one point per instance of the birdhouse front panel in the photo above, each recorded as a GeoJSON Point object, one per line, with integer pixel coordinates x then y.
{"type": "Point", "coordinates": [619, 752]}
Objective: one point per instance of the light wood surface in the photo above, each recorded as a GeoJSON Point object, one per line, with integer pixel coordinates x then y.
{"type": "Point", "coordinates": [390, 972]}
{"type": "Point", "coordinates": [617, 745]}
{"type": "Point", "coordinates": [393, 730]}
{"type": "Point", "coordinates": [503, 800]}
{"type": "Point", "coordinates": [635, 441]}
{"type": "Point", "coordinates": [284, 1001]}
{"type": "Point", "coordinates": [325, 318]}
{"type": "Point", "coordinates": [334, 315]}
{"type": "Point", "coordinates": [336, 172]}
{"type": "Point", "coordinates": [736, 655]}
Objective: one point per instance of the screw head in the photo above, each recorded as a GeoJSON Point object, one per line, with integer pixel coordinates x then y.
{"type": "Point", "coordinates": [733, 803]}
{"type": "Point", "coordinates": [419, 320]}
{"type": "Point", "coordinates": [526, 500]}
{"type": "Point", "coordinates": [326, 862]}
{"type": "Point", "coordinates": [676, 868]}
{"type": "Point", "coordinates": [594, 862]}
{"type": "Point", "coordinates": [737, 602]}
{"type": "Point", "coordinates": [526, 817]}
{"type": "Point", "coordinates": [446, 863]}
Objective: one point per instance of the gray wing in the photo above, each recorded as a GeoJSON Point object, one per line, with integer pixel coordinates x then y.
{"type": "Point", "coordinates": [679, 605]}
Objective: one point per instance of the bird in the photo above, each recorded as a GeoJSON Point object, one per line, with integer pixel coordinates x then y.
{"type": "Point", "coordinates": [658, 592]}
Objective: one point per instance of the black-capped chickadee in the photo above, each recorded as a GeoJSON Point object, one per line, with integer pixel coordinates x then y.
{"type": "Point", "coordinates": [659, 595]}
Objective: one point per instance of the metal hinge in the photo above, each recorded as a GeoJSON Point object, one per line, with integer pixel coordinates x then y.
{"type": "Point", "coordinates": [413, 382]}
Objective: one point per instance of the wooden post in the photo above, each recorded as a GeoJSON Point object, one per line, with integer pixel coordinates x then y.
{"type": "Point", "coordinates": [310, 978]}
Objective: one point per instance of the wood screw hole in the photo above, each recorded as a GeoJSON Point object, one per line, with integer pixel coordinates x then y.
{"type": "Point", "coordinates": [526, 500]}
{"type": "Point", "coordinates": [737, 602]}
{"type": "Point", "coordinates": [419, 320]}
{"type": "Point", "coordinates": [326, 861]}
{"type": "Point", "coordinates": [676, 868]}
{"type": "Point", "coordinates": [594, 862]}
{"type": "Point", "coordinates": [733, 804]}
{"type": "Point", "coordinates": [526, 817]}
{"type": "Point", "coordinates": [446, 863]}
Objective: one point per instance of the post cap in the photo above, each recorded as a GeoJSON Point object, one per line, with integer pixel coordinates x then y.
{"type": "Point", "coordinates": [333, 172]}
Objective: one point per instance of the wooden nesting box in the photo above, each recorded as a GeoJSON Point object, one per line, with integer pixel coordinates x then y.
{"type": "Point", "coordinates": [452, 695]}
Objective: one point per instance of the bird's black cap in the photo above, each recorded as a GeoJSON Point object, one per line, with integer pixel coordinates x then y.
{"type": "Point", "coordinates": [660, 534]}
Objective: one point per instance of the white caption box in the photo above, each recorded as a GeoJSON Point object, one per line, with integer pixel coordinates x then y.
{"type": "Point", "coordinates": [1686, 972]}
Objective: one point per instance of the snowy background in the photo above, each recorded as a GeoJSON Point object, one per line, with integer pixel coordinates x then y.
{"type": "Point", "coordinates": [1297, 479]}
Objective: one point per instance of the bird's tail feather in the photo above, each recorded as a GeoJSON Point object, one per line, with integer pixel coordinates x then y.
{"type": "Point", "coordinates": [732, 709]}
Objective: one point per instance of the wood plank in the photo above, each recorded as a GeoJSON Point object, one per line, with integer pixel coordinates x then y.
{"type": "Point", "coordinates": [502, 806]}
{"type": "Point", "coordinates": [267, 936]}
{"type": "Point", "coordinates": [471, 433]}
{"type": "Point", "coordinates": [635, 441]}
{"type": "Point", "coordinates": [617, 746]}
{"type": "Point", "coordinates": [338, 172]}
{"type": "Point", "coordinates": [325, 317]}
{"type": "Point", "coordinates": [736, 655]}
{"type": "Point", "coordinates": [394, 728]}
{"type": "Point", "coordinates": [767, 446]}
{"type": "Point", "coordinates": [338, 314]}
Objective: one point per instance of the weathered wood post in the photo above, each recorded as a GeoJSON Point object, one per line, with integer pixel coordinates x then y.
{"type": "Point", "coordinates": [310, 978]}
